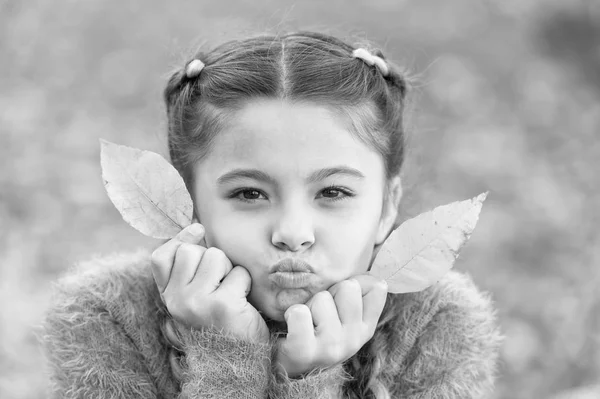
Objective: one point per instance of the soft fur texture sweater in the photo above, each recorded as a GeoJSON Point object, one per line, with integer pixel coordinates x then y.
{"type": "Point", "coordinates": [102, 337]}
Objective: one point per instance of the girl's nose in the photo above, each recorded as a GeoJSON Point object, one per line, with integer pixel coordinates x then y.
{"type": "Point", "coordinates": [293, 230]}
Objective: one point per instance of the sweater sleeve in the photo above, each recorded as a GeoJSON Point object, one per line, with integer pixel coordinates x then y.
{"type": "Point", "coordinates": [320, 384]}
{"type": "Point", "coordinates": [234, 368]}
{"type": "Point", "coordinates": [102, 338]}
{"type": "Point", "coordinates": [217, 365]}
{"type": "Point", "coordinates": [90, 355]}
{"type": "Point", "coordinates": [454, 356]}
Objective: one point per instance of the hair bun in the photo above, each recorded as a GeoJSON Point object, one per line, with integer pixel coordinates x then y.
{"type": "Point", "coordinates": [194, 68]}
{"type": "Point", "coordinates": [371, 59]}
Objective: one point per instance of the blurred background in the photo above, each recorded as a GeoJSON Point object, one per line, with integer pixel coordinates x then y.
{"type": "Point", "coordinates": [507, 100]}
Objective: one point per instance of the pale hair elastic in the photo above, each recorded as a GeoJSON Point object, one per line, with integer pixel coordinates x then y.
{"type": "Point", "coordinates": [371, 59]}
{"type": "Point", "coordinates": [194, 68]}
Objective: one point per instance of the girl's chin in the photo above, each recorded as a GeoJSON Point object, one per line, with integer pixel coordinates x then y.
{"type": "Point", "coordinates": [291, 296]}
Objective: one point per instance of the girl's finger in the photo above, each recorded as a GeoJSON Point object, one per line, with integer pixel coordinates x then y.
{"type": "Point", "coordinates": [172, 335]}
{"type": "Point", "coordinates": [299, 324]}
{"type": "Point", "coordinates": [202, 242]}
{"type": "Point", "coordinates": [324, 312]}
{"type": "Point", "coordinates": [187, 260]}
{"type": "Point", "coordinates": [347, 296]}
{"type": "Point", "coordinates": [163, 257]}
{"type": "Point", "coordinates": [192, 234]}
{"type": "Point", "coordinates": [175, 361]}
{"type": "Point", "coordinates": [374, 292]}
{"type": "Point", "coordinates": [211, 271]}
{"type": "Point", "coordinates": [236, 284]}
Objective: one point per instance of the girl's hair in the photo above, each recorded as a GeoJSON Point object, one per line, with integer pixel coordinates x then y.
{"type": "Point", "coordinates": [297, 67]}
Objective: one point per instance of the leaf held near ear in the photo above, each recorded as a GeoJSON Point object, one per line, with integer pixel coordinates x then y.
{"type": "Point", "coordinates": [423, 249]}
{"type": "Point", "coordinates": [146, 189]}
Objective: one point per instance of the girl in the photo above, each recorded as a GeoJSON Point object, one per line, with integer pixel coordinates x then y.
{"type": "Point", "coordinates": [291, 147]}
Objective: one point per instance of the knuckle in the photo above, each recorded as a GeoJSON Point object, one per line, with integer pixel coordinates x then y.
{"type": "Point", "coordinates": [323, 296]}
{"type": "Point", "coordinates": [300, 308]}
{"type": "Point", "coordinates": [381, 285]}
{"type": "Point", "coordinates": [185, 248]}
{"type": "Point", "coordinates": [158, 256]}
{"type": "Point", "coordinates": [350, 283]}
{"type": "Point", "coordinates": [189, 253]}
{"type": "Point", "coordinates": [348, 286]}
{"type": "Point", "coordinates": [216, 255]}
{"type": "Point", "coordinates": [240, 270]}
{"type": "Point", "coordinates": [242, 276]}
{"type": "Point", "coordinates": [297, 310]}
{"type": "Point", "coordinates": [213, 252]}
{"type": "Point", "coordinates": [192, 232]}
{"type": "Point", "coordinates": [211, 255]}
{"type": "Point", "coordinates": [355, 284]}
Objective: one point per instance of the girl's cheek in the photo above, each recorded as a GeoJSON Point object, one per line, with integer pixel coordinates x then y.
{"type": "Point", "coordinates": [355, 247]}
{"type": "Point", "coordinates": [237, 239]}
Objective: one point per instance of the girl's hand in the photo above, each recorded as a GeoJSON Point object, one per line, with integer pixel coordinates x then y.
{"type": "Point", "coordinates": [332, 326]}
{"type": "Point", "coordinates": [201, 288]}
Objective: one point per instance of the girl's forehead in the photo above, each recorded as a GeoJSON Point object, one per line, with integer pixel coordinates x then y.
{"type": "Point", "coordinates": [282, 136]}
{"type": "Point", "coordinates": [264, 126]}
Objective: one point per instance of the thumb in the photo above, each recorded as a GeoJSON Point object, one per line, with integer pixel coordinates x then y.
{"type": "Point", "coordinates": [195, 219]}
{"type": "Point", "coordinates": [192, 234]}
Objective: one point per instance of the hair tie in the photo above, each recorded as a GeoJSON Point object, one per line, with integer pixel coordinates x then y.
{"type": "Point", "coordinates": [371, 59]}
{"type": "Point", "coordinates": [194, 68]}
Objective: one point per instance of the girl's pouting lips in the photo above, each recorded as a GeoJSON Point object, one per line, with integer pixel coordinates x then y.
{"type": "Point", "coordinates": [294, 282]}
{"type": "Point", "coordinates": [293, 279]}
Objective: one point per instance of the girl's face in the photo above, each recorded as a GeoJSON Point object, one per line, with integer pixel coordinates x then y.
{"type": "Point", "coordinates": [291, 195]}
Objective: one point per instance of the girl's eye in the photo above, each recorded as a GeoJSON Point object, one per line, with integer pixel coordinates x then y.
{"type": "Point", "coordinates": [336, 193]}
{"type": "Point", "coordinates": [248, 195]}
{"type": "Point", "coordinates": [331, 193]}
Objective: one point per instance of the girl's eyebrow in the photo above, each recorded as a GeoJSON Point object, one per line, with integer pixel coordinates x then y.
{"type": "Point", "coordinates": [255, 174]}
{"type": "Point", "coordinates": [240, 174]}
{"type": "Point", "coordinates": [324, 173]}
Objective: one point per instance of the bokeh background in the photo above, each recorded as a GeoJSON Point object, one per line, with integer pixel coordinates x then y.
{"type": "Point", "coordinates": [506, 99]}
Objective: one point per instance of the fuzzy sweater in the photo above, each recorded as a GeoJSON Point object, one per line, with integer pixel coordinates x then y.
{"type": "Point", "coordinates": [102, 338]}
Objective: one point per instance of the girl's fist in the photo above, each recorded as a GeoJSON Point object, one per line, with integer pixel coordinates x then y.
{"type": "Point", "coordinates": [332, 326]}
{"type": "Point", "coordinates": [201, 288]}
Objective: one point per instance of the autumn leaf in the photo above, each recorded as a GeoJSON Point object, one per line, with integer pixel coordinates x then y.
{"type": "Point", "coordinates": [419, 252]}
{"type": "Point", "coordinates": [146, 189]}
